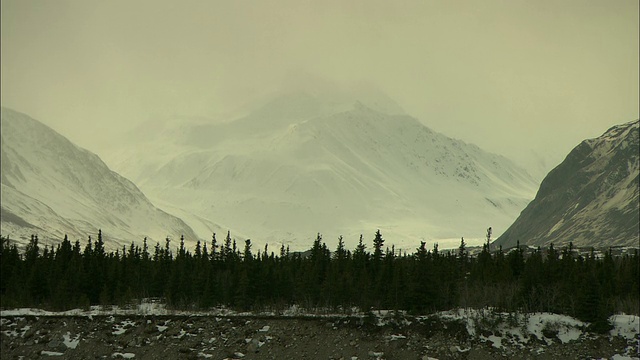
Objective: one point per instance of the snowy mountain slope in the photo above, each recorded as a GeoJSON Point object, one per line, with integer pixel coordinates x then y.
{"type": "Point", "coordinates": [335, 169]}
{"type": "Point", "coordinates": [51, 187]}
{"type": "Point", "coordinates": [591, 198]}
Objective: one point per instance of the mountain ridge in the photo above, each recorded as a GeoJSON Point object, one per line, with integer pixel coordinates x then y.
{"type": "Point", "coordinates": [58, 188]}
{"type": "Point", "coordinates": [589, 199]}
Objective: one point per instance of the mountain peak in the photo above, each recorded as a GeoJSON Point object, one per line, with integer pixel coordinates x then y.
{"type": "Point", "coordinates": [340, 172]}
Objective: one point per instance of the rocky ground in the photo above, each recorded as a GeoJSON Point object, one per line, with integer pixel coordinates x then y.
{"type": "Point", "coordinates": [254, 337]}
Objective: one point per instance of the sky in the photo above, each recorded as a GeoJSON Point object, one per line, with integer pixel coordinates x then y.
{"type": "Point", "coordinates": [514, 77]}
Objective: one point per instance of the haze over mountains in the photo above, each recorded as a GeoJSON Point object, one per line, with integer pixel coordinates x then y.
{"type": "Point", "coordinates": [305, 163]}
{"type": "Point", "coordinates": [591, 198]}
{"type": "Point", "coordinates": [51, 187]}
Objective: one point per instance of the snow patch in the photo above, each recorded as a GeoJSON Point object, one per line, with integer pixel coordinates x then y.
{"type": "Point", "coordinates": [264, 328]}
{"type": "Point", "coordinates": [123, 355]}
{"type": "Point", "coordinates": [51, 353]}
{"type": "Point", "coordinates": [71, 343]}
{"type": "Point", "coordinates": [121, 328]}
{"type": "Point", "coordinates": [626, 326]}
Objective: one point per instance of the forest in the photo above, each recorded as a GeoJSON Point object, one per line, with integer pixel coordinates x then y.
{"type": "Point", "coordinates": [71, 275]}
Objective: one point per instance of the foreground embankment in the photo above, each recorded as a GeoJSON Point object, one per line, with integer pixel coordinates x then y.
{"type": "Point", "coordinates": [460, 334]}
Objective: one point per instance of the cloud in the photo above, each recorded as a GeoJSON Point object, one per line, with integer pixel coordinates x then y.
{"type": "Point", "coordinates": [510, 76]}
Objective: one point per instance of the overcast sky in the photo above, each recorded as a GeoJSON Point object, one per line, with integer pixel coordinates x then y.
{"type": "Point", "coordinates": [511, 76]}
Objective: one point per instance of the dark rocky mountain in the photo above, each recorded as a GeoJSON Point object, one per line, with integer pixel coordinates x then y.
{"type": "Point", "coordinates": [590, 199]}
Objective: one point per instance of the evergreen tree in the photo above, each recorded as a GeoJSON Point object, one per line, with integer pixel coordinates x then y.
{"type": "Point", "coordinates": [214, 247]}
{"type": "Point", "coordinates": [247, 250]}
{"type": "Point", "coordinates": [378, 242]}
{"type": "Point", "coordinates": [98, 247]}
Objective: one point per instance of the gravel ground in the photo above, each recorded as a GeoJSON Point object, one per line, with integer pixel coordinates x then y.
{"type": "Point", "coordinates": [200, 337]}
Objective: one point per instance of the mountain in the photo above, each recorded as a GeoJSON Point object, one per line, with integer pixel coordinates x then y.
{"type": "Point", "coordinates": [51, 187]}
{"type": "Point", "coordinates": [590, 199]}
{"type": "Point", "coordinates": [301, 165]}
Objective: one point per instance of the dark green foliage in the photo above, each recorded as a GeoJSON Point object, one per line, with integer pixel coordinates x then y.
{"type": "Point", "coordinates": [562, 281]}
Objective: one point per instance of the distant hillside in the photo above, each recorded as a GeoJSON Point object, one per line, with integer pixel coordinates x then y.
{"type": "Point", "coordinates": [51, 187]}
{"type": "Point", "coordinates": [591, 198]}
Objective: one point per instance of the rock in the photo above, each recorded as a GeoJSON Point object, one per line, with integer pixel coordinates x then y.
{"type": "Point", "coordinates": [253, 346]}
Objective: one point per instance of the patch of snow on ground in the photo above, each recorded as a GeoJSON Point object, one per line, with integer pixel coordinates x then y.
{"type": "Point", "coordinates": [496, 340]}
{"type": "Point", "coordinates": [10, 333]}
{"type": "Point", "coordinates": [121, 328]}
{"type": "Point", "coordinates": [71, 344]}
{"type": "Point", "coordinates": [24, 330]}
{"type": "Point", "coordinates": [569, 334]}
{"type": "Point", "coordinates": [567, 327]}
{"type": "Point", "coordinates": [627, 326]}
{"type": "Point", "coordinates": [623, 357]}
{"type": "Point", "coordinates": [117, 330]}
{"type": "Point", "coordinates": [51, 353]}
{"type": "Point", "coordinates": [512, 325]}
{"type": "Point", "coordinates": [123, 355]}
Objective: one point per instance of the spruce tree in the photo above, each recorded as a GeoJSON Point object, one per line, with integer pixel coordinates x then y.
{"type": "Point", "coordinates": [378, 242]}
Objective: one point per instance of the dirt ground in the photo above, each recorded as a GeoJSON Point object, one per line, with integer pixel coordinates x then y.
{"type": "Point", "coordinates": [185, 337]}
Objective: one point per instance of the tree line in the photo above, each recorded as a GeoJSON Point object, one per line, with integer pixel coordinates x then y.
{"type": "Point", "coordinates": [72, 275]}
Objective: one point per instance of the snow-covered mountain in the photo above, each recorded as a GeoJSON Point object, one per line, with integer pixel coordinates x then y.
{"type": "Point", "coordinates": [301, 165]}
{"type": "Point", "coordinates": [51, 187]}
{"type": "Point", "coordinates": [590, 199]}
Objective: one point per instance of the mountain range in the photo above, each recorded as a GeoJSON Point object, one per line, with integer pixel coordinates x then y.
{"type": "Point", "coordinates": [300, 164]}
{"type": "Point", "coordinates": [51, 187]}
